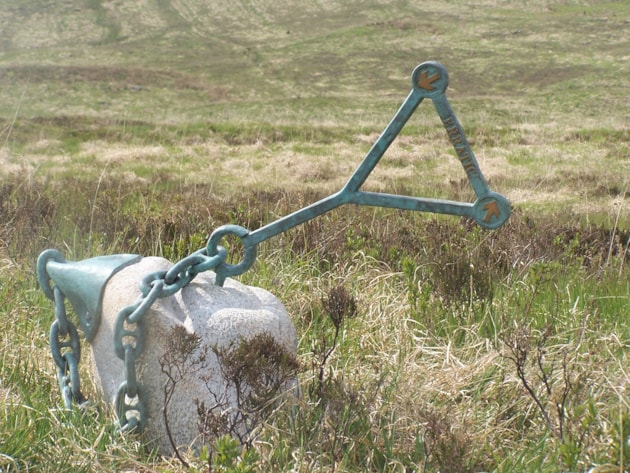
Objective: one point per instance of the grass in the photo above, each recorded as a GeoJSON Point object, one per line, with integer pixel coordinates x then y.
{"type": "Point", "coordinates": [142, 130]}
{"type": "Point", "coordinates": [422, 369]}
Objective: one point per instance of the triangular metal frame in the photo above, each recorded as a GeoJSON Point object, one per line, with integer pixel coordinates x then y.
{"type": "Point", "coordinates": [429, 80]}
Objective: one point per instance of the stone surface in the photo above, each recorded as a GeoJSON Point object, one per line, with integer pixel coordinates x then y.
{"type": "Point", "coordinates": [220, 316]}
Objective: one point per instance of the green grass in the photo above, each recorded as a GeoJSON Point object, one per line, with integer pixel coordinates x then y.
{"type": "Point", "coordinates": [128, 129]}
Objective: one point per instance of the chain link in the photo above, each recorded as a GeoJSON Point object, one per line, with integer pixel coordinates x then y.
{"type": "Point", "coordinates": [225, 270]}
{"type": "Point", "coordinates": [60, 311]}
{"type": "Point", "coordinates": [130, 410]}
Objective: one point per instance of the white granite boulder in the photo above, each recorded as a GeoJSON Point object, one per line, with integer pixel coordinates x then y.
{"type": "Point", "coordinates": [190, 386]}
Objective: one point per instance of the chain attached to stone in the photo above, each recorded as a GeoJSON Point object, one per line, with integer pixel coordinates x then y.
{"type": "Point", "coordinates": [490, 210]}
{"type": "Point", "coordinates": [129, 329]}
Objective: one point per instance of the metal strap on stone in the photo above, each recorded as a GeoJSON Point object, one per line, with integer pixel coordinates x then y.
{"type": "Point", "coordinates": [490, 211]}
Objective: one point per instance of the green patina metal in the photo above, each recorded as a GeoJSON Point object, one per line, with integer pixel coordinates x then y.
{"type": "Point", "coordinates": [83, 282]}
{"type": "Point", "coordinates": [428, 80]}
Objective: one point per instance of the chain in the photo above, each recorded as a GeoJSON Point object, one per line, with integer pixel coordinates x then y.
{"type": "Point", "coordinates": [129, 329]}
{"type": "Point", "coordinates": [490, 210]}
{"type": "Point", "coordinates": [65, 345]}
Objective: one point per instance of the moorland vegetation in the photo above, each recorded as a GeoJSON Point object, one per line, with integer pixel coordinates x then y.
{"type": "Point", "coordinates": [426, 343]}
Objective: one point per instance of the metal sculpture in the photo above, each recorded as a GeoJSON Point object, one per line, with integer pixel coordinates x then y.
{"type": "Point", "coordinates": [82, 283]}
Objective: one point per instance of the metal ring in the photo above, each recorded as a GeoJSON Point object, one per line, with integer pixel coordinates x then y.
{"type": "Point", "coordinates": [224, 270]}
{"type": "Point", "coordinates": [42, 272]}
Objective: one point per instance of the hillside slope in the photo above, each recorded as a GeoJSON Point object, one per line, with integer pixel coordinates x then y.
{"type": "Point", "coordinates": [92, 57]}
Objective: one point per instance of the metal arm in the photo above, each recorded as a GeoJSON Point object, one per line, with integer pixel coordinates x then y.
{"type": "Point", "coordinates": [429, 80]}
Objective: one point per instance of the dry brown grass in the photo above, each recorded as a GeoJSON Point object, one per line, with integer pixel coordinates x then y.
{"type": "Point", "coordinates": [537, 175]}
